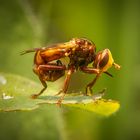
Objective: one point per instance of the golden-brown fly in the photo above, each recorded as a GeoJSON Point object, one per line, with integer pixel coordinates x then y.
{"type": "Point", "coordinates": [81, 52]}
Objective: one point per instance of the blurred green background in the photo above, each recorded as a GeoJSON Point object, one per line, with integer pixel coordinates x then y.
{"type": "Point", "coordinates": [113, 24]}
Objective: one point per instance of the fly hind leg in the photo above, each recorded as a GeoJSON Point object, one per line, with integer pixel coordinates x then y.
{"type": "Point", "coordinates": [34, 96]}
{"type": "Point", "coordinates": [48, 72]}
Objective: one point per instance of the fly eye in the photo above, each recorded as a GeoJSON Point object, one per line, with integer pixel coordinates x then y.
{"type": "Point", "coordinates": [104, 60]}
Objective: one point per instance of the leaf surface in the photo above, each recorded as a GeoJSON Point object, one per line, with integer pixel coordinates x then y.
{"type": "Point", "coordinates": [15, 93]}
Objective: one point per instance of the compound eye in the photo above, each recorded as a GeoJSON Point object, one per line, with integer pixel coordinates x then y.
{"type": "Point", "coordinates": [103, 60]}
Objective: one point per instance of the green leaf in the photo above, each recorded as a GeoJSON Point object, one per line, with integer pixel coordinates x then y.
{"type": "Point", "coordinates": [15, 92]}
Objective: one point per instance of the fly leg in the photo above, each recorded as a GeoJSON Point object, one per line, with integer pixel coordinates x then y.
{"type": "Point", "coordinates": [91, 84]}
{"type": "Point", "coordinates": [34, 96]}
{"type": "Point", "coordinates": [41, 71]}
{"type": "Point", "coordinates": [65, 86]}
{"type": "Point", "coordinates": [91, 70]}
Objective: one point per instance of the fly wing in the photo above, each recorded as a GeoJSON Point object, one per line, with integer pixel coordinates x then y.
{"type": "Point", "coordinates": [57, 51]}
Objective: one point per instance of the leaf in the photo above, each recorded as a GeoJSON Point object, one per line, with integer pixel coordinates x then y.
{"type": "Point", "coordinates": [15, 92]}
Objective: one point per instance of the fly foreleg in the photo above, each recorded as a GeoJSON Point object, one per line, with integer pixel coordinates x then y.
{"type": "Point", "coordinates": [91, 70]}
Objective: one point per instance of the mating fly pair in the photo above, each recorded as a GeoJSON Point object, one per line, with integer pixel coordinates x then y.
{"type": "Point", "coordinates": [81, 52]}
